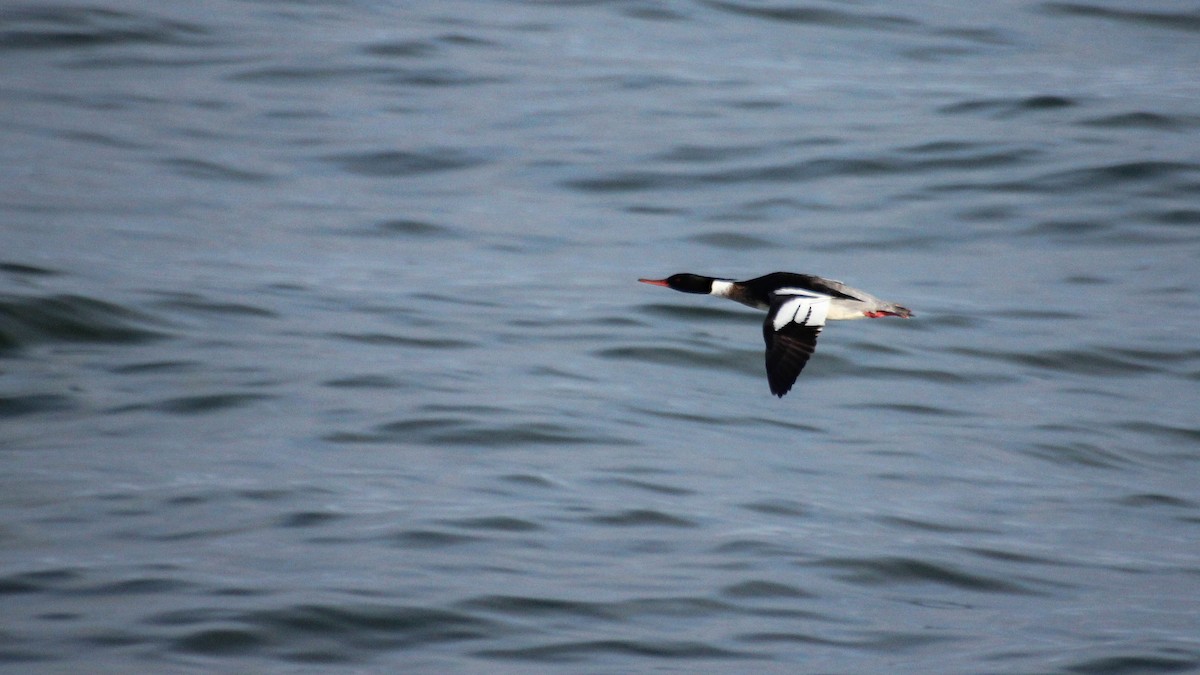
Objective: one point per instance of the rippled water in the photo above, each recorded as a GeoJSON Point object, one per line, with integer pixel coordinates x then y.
{"type": "Point", "coordinates": [321, 347]}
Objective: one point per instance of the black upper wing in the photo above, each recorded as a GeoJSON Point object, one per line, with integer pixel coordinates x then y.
{"type": "Point", "coordinates": [788, 350]}
{"type": "Point", "coordinates": [790, 331]}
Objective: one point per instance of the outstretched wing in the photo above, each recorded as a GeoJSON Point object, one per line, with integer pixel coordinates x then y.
{"type": "Point", "coordinates": [793, 323]}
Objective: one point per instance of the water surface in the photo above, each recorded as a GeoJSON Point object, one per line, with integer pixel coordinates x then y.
{"type": "Point", "coordinates": [321, 347]}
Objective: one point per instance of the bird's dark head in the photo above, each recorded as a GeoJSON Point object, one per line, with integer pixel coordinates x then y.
{"type": "Point", "coordinates": [687, 283]}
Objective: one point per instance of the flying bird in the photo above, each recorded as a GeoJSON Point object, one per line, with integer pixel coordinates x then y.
{"type": "Point", "coordinates": [798, 305]}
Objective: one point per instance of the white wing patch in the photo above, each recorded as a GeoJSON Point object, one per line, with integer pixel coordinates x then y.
{"type": "Point", "coordinates": [805, 308]}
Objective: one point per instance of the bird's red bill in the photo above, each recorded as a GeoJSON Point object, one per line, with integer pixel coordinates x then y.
{"type": "Point", "coordinates": [654, 282]}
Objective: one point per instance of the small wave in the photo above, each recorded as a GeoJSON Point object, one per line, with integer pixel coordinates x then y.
{"type": "Point", "coordinates": [31, 404]}
{"type": "Point", "coordinates": [524, 606]}
{"type": "Point", "coordinates": [441, 77]}
{"type": "Point", "coordinates": [1158, 355]}
{"type": "Point", "coordinates": [1079, 453]}
{"type": "Point", "coordinates": [1100, 232]}
{"type": "Point", "coordinates": [194, 303]}
{"type": "Point", "coordinates": [397, 164]}
{"type": "Point", "coordinates": [387, 75]}
{"type": "Point", "coordinates": [1138, 178]}
{"type": "Point", "coordinates": [930, 375]}
{"type": "Point", "coordinates": [641, 518]}
{"type": "Point", "coordinates": [698, 313]}
{"type": "Point", "coordinates": [221, 642]}
{"type": "Point", "coordinates": [677, 356]}
{"type": "Point", "coordinates": [494, 524]}
{"type": "Point", "coordinates": [915, 409]}
{"type": "Point", "coordinates": [893, 244]}
{"type": "Point", "coordinates": [921, 525]}
{"type": "Point", "coordinates": [982, 36]}
{"type": "Point", "coordinates": [1008, 556]}
{"type": "Point", "coordinates": [1014, 107]}
{"type": "Point", "coordinates": [1145, 500]}
{"type": "Point", "coordinates": [196, 405]}
{"type": "Point", "coordinates": [732, 241]}
{"type": "Point", "coordinates": [525, 480]}
{"type": "Point", "coordinates": [802, 171]}
{"type": "Point", "coordinates": [209, 170]}
{"type": "Point", "coordinates": [427, 429]}
{"type": "Point", "coordinates": [402, 48]}
{"type": "Point", "coordinates": [1166, 431]}
{"type": "Point", "coordinates": [139, 586]}
{"type": "Point", "coordinates": [35, 27]}
{"type": "Point", "coordinates": [425, 538]}
{"type": "Point", "coordinates": [1184, 217]}
{"type": "Point", "coordinates": [750, 548]}
{"type": "Point", "coordinates": [27, 321]}
{"type": "Point", "coordinates": [139, 367]}
{"type": "Point", "coordinates": [647, 486]}
{"type": "Point", "coordinates": [758, 590]}
{"type": "Point", "coordinates": [1140, 659]}
{"type": "Point", "coordinates": [39, 581]}
{"type": "Point", "coordinates": [1094, 362]}
{"type": "Point", "coordinates": [21, 269]}
{"type": "Point", "coordinates": [308, 633]}
{"type": "Point", "coordinates": [305, 519]}
{"type": "Point", "coordinates": [708, 154]}
{"type": "Point", "coordinates": [565, 652]}
{"type": "Point", "coordinates": [307, 74]}
{"type": "Point", "coordinates": [412, 228]}
{"type": "Point", "coordinates": [782, 424]}
{"type": "Point", "coordinates": [389, 340]}
{"type": "Point", "coordinates": [777, 507]}
{"type": "Point", "coordinates": [898, 570]}
{"type": "Point", "coordinates": [1144, 120]}
{"type": "Point", "coordinates": [882, 641]}
{"type": "Point", "coordinates": [398, 51]}
{"type": "Point", "coordinates": [459, 431]}
{"type": "Point", "coordinates": [1185, 21]}
{"type": "Point", "coordinates": [1066, 230]}
{"type": "Point", "coordinates": [1119, 174]}
{"type": "Point", "coordinates": [817, 16]}
{"type": "Point", "coordinates": [76, 583]}
{"type": "Point", "coordinates": [365, 381]}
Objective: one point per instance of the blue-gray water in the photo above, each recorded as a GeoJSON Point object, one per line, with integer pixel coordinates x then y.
{"type": "Point", "coordinates": [321, 347]}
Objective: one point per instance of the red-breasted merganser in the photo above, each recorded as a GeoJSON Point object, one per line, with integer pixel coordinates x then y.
{"type": "Point", "coordinates": [798, 305]}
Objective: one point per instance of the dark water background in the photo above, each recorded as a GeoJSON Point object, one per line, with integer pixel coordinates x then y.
{"type": "Point", "coordinates": [321, 349]}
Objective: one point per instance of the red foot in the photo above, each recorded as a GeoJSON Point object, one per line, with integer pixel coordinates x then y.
{"type": "Point", "coordinates": [876, 315]}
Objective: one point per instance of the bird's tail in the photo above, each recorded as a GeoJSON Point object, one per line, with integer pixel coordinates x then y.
{"type": "Point", "coordinates": [888, 309]}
